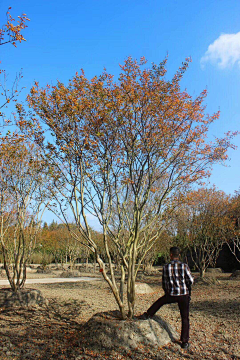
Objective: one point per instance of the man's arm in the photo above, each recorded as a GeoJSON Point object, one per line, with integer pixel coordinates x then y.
{"type": "Point", "coordinates": [188, 278]}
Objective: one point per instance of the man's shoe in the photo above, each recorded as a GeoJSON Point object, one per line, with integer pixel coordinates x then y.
{"type": "Point", "coordinates": [144, 316]}
{"type": "Point", "coordinates": [185, 345]}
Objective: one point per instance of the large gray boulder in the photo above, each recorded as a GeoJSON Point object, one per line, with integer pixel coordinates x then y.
{"type": "Point", "coordinates": [107, 331]}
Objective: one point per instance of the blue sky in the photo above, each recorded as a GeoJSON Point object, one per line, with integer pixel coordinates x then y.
{"type": "Point", "coordinates": [65, 36]}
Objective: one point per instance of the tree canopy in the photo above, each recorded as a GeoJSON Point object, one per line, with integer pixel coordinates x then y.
{"type": "Point", "coordinates": [123, 151]}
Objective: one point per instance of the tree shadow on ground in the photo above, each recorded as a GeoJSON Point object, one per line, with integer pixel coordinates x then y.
{"type": "Point", "coordinates": [46, 333]}
{"type": "Point", "coordinates": [66, 310]}
{"type": "Point", "coordinates": [225, 309]}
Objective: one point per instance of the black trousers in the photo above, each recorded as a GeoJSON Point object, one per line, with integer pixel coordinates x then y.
{"type": "Point", "coordinates": [183, 304]}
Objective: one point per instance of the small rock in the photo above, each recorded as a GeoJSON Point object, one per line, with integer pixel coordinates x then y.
{"type": "Point", "coordinates": [142, 288]}
{"type": "Point", "coordinates": [21, 298]}
{"type": "Point", "coordinates": [43, 271]}
{"type": "Point", "coordinates": [214, 271]}
{"type": "Point", "coordinates": [207, 280]}
{"type": "Point", "coordinates": [235, 274]}
{"type": "Point", "coordinates": [70, 274]}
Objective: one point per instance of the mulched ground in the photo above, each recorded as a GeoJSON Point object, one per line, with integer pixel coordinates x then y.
{"type": "Point", "coordinates": [57, 331]}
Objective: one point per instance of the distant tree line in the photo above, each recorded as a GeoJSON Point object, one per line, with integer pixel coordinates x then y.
{"type": "Point", "coordinates": [206, 223]}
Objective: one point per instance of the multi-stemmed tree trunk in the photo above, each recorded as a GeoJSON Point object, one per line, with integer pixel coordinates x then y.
{"type": "Point", "coordinates": [121, 152]}
{"type": "Point", "coordinates": [22, 191]}
{"type": "Point", "coordinates": [18, 242]}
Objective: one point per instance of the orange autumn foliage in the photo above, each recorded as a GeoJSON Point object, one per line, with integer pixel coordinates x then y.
{"type": "Point", "coordinates": [205, 225]}
{"type": "Point", "coordinates": [11, 33]}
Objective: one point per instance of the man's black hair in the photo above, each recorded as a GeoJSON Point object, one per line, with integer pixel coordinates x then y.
{"type": "Point", "coordinates": [175, 251]}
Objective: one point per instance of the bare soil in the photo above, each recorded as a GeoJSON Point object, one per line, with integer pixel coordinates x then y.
{"type": "Point", "coordinates": [57, 331]}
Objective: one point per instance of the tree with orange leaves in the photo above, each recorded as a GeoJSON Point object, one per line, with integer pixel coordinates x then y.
{"type": "Point", "coordinates": [123, 151]}
{"type": "Point", "coordinates": [23, 188]}
{"type": "Point", "coordinates": [204, 225]}
{"type": "Point", "coordinates": [11, 33]}
{"type": "Point", "coordinates": [59, 243]}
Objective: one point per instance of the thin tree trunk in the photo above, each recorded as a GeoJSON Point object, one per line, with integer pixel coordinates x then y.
{"type": "Point", "coordinates": [131, 281]}
{"type": "Point", "coordinates": [112, 286]}
{"type": "Point", "coordinates": [122, 282]}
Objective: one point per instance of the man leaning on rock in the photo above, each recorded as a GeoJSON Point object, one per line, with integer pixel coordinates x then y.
{"type": "Point", "coordinates": [176, 282]}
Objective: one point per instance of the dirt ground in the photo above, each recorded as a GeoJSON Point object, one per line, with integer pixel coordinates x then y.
{"type": "Point", "coordinates": [57, 331]}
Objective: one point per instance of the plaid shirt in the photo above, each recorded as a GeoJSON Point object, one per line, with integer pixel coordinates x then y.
{"type": "Point", "coordinates": [176, 278]}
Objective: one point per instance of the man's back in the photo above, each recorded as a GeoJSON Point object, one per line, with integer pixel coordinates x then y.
{"type": "Point", "coordinates": [176, 278]}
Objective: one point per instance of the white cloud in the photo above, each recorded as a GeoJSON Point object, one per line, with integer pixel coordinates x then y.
{"type": "Point", "coordinates": [224, 52]}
